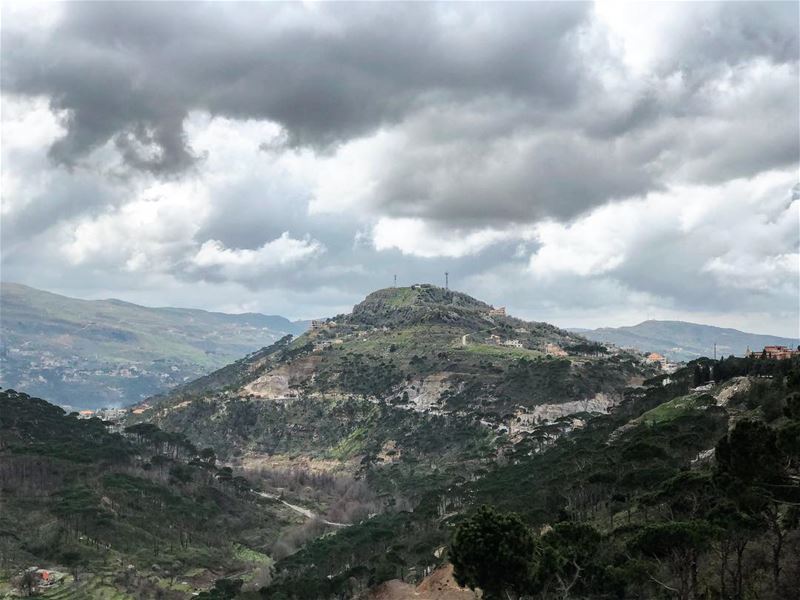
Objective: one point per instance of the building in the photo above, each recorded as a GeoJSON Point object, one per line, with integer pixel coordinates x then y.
{"type": "Point", "coordinates": [85, 414]}
{"type": "Point", "coordinates": [655, 357]}
{"type": "Point", "coordinates": [513, 343]}
{"type": "Point", "coordinates": [555, 350]}
{"type": "Point", "coordinates": [775, 352]}
{"type": "Point", "coordinates": [317, 324]}
{"type": "Point", "coordinates": [497, 312]}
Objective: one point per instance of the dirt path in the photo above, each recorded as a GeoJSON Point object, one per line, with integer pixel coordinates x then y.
{"type": "Point", "coordinates": [299, 509]}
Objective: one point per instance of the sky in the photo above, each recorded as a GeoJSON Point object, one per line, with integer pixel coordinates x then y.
{"type": "Point", "coordinates": [582, 164]}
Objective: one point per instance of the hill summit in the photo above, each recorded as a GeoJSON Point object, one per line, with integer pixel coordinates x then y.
{"type": "Point", "coordinates": [415, 352]}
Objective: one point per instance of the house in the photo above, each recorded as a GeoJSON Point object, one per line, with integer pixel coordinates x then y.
{"type": "Point", "coordinates": [655, 357]}
{"type": "Point", "coordinates": [497, 312]}
{"type": "Point", "coordinates": [513, 343]}
{"type": "Point", "coordinates": [494, 339]}
{"type": "Point", "coordinates": [85, 414]}
{"type": "Point", "coordinates": [317, 324]}
{"type": "Point", "coordinates": [555, 350]}
{"type": "Point", "coordinates": [45, 578]}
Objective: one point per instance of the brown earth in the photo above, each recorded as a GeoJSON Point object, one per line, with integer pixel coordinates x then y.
{"type": "Point", "coordinates": [439, 585]}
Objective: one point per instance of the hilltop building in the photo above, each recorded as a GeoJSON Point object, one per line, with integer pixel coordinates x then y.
{"type": "Point", "coordinates": [497, 312]}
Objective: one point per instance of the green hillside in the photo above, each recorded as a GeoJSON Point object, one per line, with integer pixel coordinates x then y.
{"type": "Point", "coordinates": [135, 514]}
{"type": "Point", "coordinates": [88, 354]}
{"type": "Point", "coordinates": [634, 504]}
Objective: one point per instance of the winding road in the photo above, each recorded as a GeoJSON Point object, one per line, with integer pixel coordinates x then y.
{"type": "Point", "coordinates": [299, 509]}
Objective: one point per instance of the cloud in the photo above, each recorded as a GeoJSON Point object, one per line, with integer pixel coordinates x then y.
{"type": "Point", "coordinates": [420, 238]}
{"type": "Point", "coordinates": [733, 246]}
{"type": "Point", "coordinates": [214, 261]}
{"type": "Point", "coordinates": [573, 161]}
{"type": "Point", "coordinates": [133, 72]}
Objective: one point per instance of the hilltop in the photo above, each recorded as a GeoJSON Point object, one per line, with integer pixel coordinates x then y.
{"type": "Point", "coordinates": [402, 355]}
{"type": "Point", "coordinates": [93, 353]}
{"type": "Point", "coordinates": [682, 341]}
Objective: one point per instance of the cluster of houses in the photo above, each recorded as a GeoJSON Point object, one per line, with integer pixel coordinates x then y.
{"type": "Point", "coordinates": [106, 414]}
{"type": "Point", "coordinates": [775, 352]}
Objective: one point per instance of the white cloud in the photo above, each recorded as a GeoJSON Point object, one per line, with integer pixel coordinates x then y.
{"type": "Point", "coordinates": [152, 232]}
{"type": "Point", "coordinates": [239, 263]}
{"type": "Point", "coordinates": [422, 238]}
{"type": "Point", "coordinates": [741, 234]}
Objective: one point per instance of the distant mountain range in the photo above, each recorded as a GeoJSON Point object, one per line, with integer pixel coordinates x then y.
{"type": "Point", "coordinates": [93, 353]}
{"type": "Point", "coordinates": [679, 340]}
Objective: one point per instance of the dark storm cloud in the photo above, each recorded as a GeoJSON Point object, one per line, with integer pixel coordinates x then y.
{"type": "Point", "coordinates": [461, 118]}
{"type": "Point", "coordinates": [131, 71]}
{"type": "Point", "coordinates": [503, 106]}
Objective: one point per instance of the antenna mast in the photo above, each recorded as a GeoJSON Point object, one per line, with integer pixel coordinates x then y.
{"type": "Point", "coordinates": [395, 281]}
{"type": "Point", "coordinates": [446, 280]}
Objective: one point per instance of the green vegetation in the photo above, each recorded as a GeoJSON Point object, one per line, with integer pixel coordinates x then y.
{"type": "Point", "coordinates": [127, 513]}
{"type": "Point", "coordinates": [402, 421]}
{"type": "Point", "coordinates": [620, 508]}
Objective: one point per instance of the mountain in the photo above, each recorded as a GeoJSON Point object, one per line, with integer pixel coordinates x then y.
{"type": "Point", "coordinates": [421, 371]}
{"type": "Point", "coordinates": [93, 353]}
{"type": "Point", "coordinates": [681, 341]}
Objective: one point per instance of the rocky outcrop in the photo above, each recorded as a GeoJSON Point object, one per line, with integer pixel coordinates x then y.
{"type": "Point", "coordinates": [424, 395]}
{"type": "Point", "coordinates": [731, 388]}
{"type": "Point", "coordinates": [544, 413]}
{"type": "Point", "coordinates": [284, 381]}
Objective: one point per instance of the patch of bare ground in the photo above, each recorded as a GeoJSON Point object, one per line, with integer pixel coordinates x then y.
{"type": "Point", "coordinates": [254, 461]}
{"type": "Point", "coordinates": [439, 585]}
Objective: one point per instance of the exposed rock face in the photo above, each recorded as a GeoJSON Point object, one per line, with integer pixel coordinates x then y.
{"type": "Point", "coordinates": [424, 394]}
{"type": "Point", "coordinates": [731, 388]}
{"type": "Point", "coordinates": [280, 383]}
{"type": "Point", "coordinates": [269, 387]}
{"type": "Point", "coordinates": [600, 403]}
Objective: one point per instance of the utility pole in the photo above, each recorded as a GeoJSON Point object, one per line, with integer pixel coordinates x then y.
{"type": "Point", "coordinates": [715, 350]}
{"type": "Point", "coordinates": [395, 281]}
{"type": "Point", "coordinates": [446, 280]}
